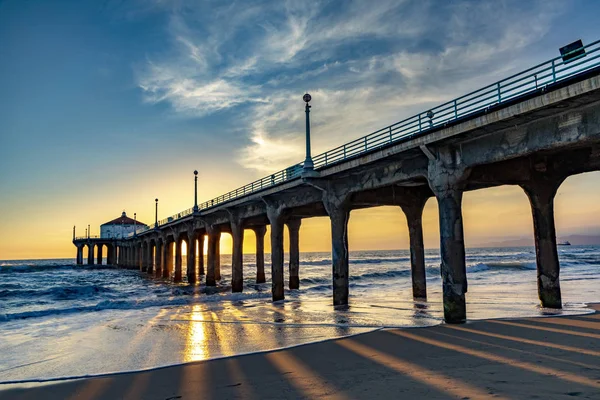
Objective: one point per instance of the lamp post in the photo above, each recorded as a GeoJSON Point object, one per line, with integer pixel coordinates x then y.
{"type": "Point", "coordinates": [88, 231]}
{"type": "Point", "coordinates": [73, 232]}
{"type": "Point", "coordinates": [195, 191]}
{"type": "Point", "coordinates": [308, 166]}
{"type": "Point", "coordinates": [156, 214]}
{"type": "Point", "coordinates": [134, 224]}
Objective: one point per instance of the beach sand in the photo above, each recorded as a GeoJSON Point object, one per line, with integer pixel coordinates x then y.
{"type": "Point", "coordinates": [556, 358]}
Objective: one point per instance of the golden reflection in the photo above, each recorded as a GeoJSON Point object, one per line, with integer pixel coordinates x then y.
{"type": "Point", "coordinates": [502, 360]}
{"type": "Point", "coordinates": [527, 341]}
{"type": "Point", "coordinates": [450, 385]}
{"type": "Point", "coordinates": [196, 344]}
{"type": "Point", "coordinates": [543, 328]}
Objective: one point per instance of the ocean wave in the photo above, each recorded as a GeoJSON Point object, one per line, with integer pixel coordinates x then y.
{"type": "Point", "coordinates": [520, 266]}
{"type": "Point", "coordinates": [58, 292]}
{"type": "Point", "coordinates": [210, 295]}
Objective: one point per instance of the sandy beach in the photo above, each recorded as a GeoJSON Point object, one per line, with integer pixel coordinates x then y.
{"type": "Point", "coordinates": [555, 357]}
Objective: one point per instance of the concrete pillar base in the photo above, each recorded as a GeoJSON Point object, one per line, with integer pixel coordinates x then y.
{"type": "Point", "coordinates": [294, 267]}
{"type": "Point", "coordinates": [446, 179]}
{"type": "Point", "coordinates": [541, 192]}
{"type": "Point", "coordinates": [237, 257]}
{"type": "Point", "coordinates": [213, 243]}
{"type": "Point", "coordinates": [338, 208]}
{"type": "Point", "coordinates": [276, 219]}
{"type": "Point", "coordinates": [260, 232]}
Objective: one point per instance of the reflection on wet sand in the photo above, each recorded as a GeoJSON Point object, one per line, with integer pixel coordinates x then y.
{"type": "Point", "coordinates": [196, 347]}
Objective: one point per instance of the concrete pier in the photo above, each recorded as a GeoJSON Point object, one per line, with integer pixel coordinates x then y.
{"type": "Point", "coordinates": [294, 267]}
{"type": "Point", "coordinates": [534, 141]}
{"type": "Point", "coordinates": [191, 257]}
{"type": "Point", "coordinates": [541, 194]}
{"type": "Point", "coordinates": [159, 258]}
{"type": "Point", "coordinates": [260, 232]}
{"type": "Point", "coordinates": [338, 209]}
{"type": "Point", "coordinates": [447, 179]}
{"type": "Point", "coordinates": [412, 201]}
{"type": "Point", "coordinates": [212, 254]}
{"type": "Point", "coordinates": [200, 255]}
{"type": "Point", "coordinates": [237, 257]}
{"type": "Point", "coordinates": [178, 275]}
{"type": "Point", "coordinates": [276, 219]}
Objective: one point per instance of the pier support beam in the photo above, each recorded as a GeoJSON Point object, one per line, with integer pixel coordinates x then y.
{"type": "Point", "coordinates": [191, 257]}
{"type": "Point", "coordinates": [177, 276]}
{"type": "Point", "coordinates": [338, 209]}
{"type": "Point", "coordinates": [167, 266]}
{"type": "Point", "coordinates": [150, 258]}
{"type": "Point", "coordinates": [160, 248]}
{"type": "Point", "coordinates": [200, 255]}
{"type": "Point", "coordinates": [79, 255]}
{"type": "Point", "coordinates": [213, 234]}
{"type": "Point", "coordinates": [237, 257]}
{"type": "Point", "coordinates": [90, 254]}
{"type": "Point", "coordinates": [99, 254]}
{"type": "Point", "coordinates": [276, 219]}
{"type": "Point", "coordinates": [218, 258]}
{"type": "Point", "coordinates": [541, 192]}
{"type": "Point", "coordinates": [447, 180]}
{"type": "Point", "coordinates": [294, 267]}
{"type": "Point", "coordinates": [412, 201]}
{"type": "Point", "coordinates": [260, 232]}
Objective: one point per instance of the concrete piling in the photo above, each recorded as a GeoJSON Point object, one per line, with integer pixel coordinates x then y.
{"type": "Point", "coordinates": [294, 267]}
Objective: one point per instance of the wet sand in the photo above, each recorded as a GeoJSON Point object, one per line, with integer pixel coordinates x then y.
{"type": "Point", "coordinates": [556, 358]}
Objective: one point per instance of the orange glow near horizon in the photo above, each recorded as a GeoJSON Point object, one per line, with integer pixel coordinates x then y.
{"type": "Point", "coordinates": [490, 215]}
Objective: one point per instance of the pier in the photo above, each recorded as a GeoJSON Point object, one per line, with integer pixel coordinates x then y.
{"type": "Point", "coordinates": [533, 129]}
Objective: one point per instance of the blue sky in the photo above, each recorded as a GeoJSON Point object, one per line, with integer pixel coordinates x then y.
{"type": "Point", "coordinates": [108, 104]}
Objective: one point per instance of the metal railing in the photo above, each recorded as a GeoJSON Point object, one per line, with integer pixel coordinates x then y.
{"type": "Point", "coordinates": [535, 78]}
{"type": "Point", "coordinates": [87, 237]}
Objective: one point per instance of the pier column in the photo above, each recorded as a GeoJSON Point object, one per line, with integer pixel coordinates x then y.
{"type": "Point", "coordinates": [167, 264]}
{"type": "Point", "coordinates": [150, 258]}
{"type": "Point", "coordinates": [177, 277]}
{"type": "Point", "coordinates": [159, 258]}
{"type": "Point", "coordinates": [213, 234]}
{"type": "Point", "coordinates": [260, 232]}
{"type": "Point", "coordinates": [412, 201]}
{"type": "Point", "coordinates": [79, 255]}
{"type": "Point", "coordinates": [541, 194]}
{"type": "Point", "coordinates": [447, 181]}
{"type": "Point", "coordinates": [191, 257]}
{"type": "Point", "coordinates": [276, 220]}
{"type": "Point", "coordinates": [143, 261]}
{"type": "Point", "coordinates": [218, 257]}
{"type": "Point", "coordinates": [237, 257]}
{"type": "Point", "coordinates": [294, 267]}
{"type": "Point", "coordinates": [338, 209]}
{"type": "Point", "coordinates": [200, 255]}
{"type": "Point", "coordinates": [90, 254]}
{"type": "Point", "coordinates": [99, 254]}
{"type": "Point", "coordinates": [109, 254]}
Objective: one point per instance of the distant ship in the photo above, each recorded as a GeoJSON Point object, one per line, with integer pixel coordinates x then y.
{"type": "Point", "coordinates": [565, 243]}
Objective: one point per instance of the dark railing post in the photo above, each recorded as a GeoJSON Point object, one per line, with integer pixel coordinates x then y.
{"type": "Point", "coordinates": [553, 72]}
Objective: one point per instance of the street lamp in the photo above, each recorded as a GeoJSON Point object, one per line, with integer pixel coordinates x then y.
{"type": "Point", "coordinates": [134, 224]}
{"type": "Point", "coordinates": [88, 231]}
{"type": "Point", "coordinates": [308, 167]}
{"type": "Point", "coordinates": [156, 214]}
{"type": "Point", "coordinates": [195, 191]}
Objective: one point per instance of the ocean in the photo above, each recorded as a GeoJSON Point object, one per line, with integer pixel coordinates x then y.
{"type": "Point", "coordinates": [59, 320]}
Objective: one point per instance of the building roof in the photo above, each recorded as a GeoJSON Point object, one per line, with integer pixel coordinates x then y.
{"type": "Point", "coordinates": [123, 220]}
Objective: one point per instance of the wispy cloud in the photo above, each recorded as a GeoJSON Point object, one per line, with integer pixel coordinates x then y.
{"type": "Point", "coordinates": [367, 64]}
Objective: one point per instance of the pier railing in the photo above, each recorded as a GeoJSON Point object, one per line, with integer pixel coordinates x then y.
{"type": "Point", "coordinates": [536, 78]}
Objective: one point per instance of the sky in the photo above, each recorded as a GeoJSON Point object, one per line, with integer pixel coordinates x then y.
{"type": "Point", "coordinates": [107, 105]}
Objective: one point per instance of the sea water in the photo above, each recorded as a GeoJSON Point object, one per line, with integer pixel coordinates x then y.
{"type": "Point", "coordinates": [61, 320]}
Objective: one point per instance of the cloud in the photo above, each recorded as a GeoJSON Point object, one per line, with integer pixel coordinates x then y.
{"type": "Point", "coordinates": [367, 65]}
